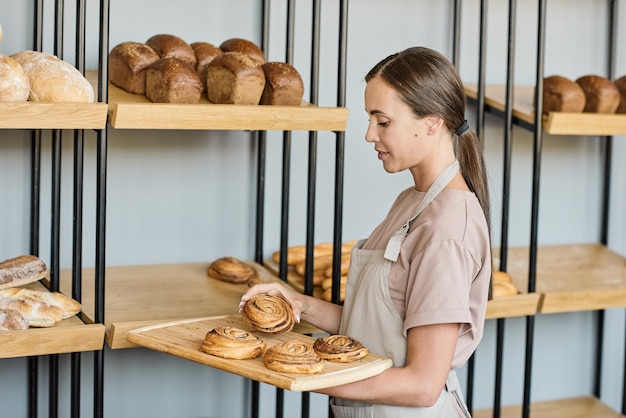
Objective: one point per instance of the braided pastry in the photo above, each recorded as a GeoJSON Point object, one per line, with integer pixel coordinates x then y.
{"type": "Point", "coordinates": [268, 313]}
{"type": "Point", "coordinates": [232, 343]}
{"type": "Point", "coordinates": [339, 348]}
{"type": "Point", "coordinates": [293, 356]}
{"type": "Point", "coordinates": [232, 270]}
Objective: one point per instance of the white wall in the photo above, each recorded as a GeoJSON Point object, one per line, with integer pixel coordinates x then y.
{"type": "Point", "coordinates": [167, 190]}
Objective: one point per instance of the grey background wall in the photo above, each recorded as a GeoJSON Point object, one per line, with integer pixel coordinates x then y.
{"type": "Point", "coordinates": [178, 196]}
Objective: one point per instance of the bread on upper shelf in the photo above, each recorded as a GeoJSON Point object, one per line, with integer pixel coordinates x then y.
{"type": "Point", "coordinates": [14, 83]}
{"type": "Point", "coordinates": [235, 78]}
{"type": "Point", "coordinates": [601, 95]}
{"type": "Point", "coordinates": [560, 94]}
{"type": "Point", "coordinates": [128, 62]}
{"type": "Point", "coordinates": [244, 46]}
{"type": "Point", "coordinates": [205, 53]}
{"type": "Point", "coordinates": [620, 83]}
{"type": "Point", "coordinates": [172, 46]}
{"type": "Point", "coordinates": [52, 79]}
{"type": "Point", "coordinates": [283, 85]}
{"type": "Point", "coordinates": [170, 80]}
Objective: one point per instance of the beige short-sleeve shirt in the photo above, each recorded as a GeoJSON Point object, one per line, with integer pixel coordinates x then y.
{"type": "Point", "coordinates": [443, 271]}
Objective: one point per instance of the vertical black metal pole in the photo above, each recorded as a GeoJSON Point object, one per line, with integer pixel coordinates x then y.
{"type": "Point", "coordinates": [33, 362]}
{"type": "Point", "coordinates": [101, 191]}
{"type": "Point", "coordinates": [456, 32]}
{"type": "Point", "coordinates": [534, 222]}
{"type": "Point", "coordinates": [482, 58]}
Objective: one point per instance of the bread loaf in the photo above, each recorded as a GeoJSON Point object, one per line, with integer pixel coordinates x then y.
{"type": "Point", "coordinates": [560, 94]}
{"type": "Point", "coordinates": [205, 53]}
{"type": "Point", "coordinates": [234, 78]}
{"type": "Point", "coordinates": [170, 80]}
{"type": "Point", "coordinates": [283, 85]}
{"type": "Point", "coordinates": [21, 270]}
{"type": "Point", "coordinates": [14, 84]}
{"type": "Point", "coordinates": [52, 79]}
{"type": "Point", "coordinates": [601, 95]}
{"type": "Point", "coordinates": [11, 319]}
{"type": "Point", "coordinates": [39, 314]}
{"type": "Point", "coordinates": [620, 83]}
{"type": "Point", "coordinates": [171, 46]}
{"type": "Point", "coordinates": [128, 62]}
{"type": "Point", "coordinates": [69, 306]}
{"type": "Point", "coordinates": [244, 46]}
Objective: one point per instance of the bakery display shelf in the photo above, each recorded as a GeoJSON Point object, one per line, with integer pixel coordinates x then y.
{"type": "Point", "coordinates": [522, 304]}
{"type": "Point", "coordinates": [572, 278]}
{"type": "Point", "coordinates": [582, 407]}
{"type": "Point", "coordinates": [555, 123]}
{"type": "Point", "coordinates": [136, 296]}
{"type": "Point", "coordinates": [135, 111]}
{"type": "Point", "coordinates": [294, 279]}
{"type": "Point", "coordinates": [35, 115]}
{"type": "Point", "coordinates": [69, 336]}
{"type": "Point", "coordinates": [184, 338]}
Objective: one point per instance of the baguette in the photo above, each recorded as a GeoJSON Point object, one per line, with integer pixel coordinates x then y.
{"type": "Point", "coordinates": [345, 265]}
{"type": "Point", "coordinates": [11, 319]}
{"type": "Point", "coordinates": [69, 306]}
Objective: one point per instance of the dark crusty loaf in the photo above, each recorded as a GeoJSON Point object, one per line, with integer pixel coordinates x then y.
{"type": "Point", "coordinates": [170, 80]}
{"type": "Point", "coordinates": [601, 95]}
{"type": "Point", "coordinates": [172, 46]}
{"type": "Point", "coordinates": [283, 85]}
{"type": "Point", "coordinates": [620, 83]}
{"type": "Point", "coordinates": [128, 62]}
{"type": "Point", "coordinates": [560, 94]}
{"type": "Point", "coordinates": [245, 47]}
{"type": "Point", "coordinates": [235, 78]}
{"type": "Point", "coordinates": [205, 53]}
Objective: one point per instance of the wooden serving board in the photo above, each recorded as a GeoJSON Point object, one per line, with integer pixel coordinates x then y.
{"type": "Point", "coordinates": [184, 338]}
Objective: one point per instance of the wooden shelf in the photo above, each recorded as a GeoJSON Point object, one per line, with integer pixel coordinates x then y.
{"type": "Point", "coordinates": [583, 407]}
{"type": "Point", "coordinates": [572, 277]}
{"type": "Point", "coordinates": [522, 304]}
{"type": "Point", "coordinates": [555, 123]}
{"type": "Point", "coordinates": [137, 296]}
{"type": "Point", "coordinates": [134, 111]}
{"type": "Point", "coordinates": [69, 336]}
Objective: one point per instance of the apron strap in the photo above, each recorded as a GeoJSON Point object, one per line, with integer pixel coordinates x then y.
{"type": "Point", "coordinates": [443, 179]}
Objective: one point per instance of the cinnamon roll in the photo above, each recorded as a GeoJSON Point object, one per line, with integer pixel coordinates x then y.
{"type": "Point", "coordinates": [339, 348]}
{"type": "Point", "coordinates": [293, 356]}
{"type": "Point", "coordinates": [268, 313]}
{"type": "Point", "coordinates": [232, 270]}
{"type": "Point", "coordinates": [232, 343]}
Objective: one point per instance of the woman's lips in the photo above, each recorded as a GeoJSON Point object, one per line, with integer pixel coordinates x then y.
{"type": "Point", "coordinates": [382, 154]}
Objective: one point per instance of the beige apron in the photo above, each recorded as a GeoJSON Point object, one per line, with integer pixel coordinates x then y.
{"type": "Point", "coordinates": [372, 319]}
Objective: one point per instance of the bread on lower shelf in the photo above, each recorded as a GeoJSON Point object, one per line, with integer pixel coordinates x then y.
{"type": "Point", "coordinates": [235, 78]}
{"type": "Point", "coordinates": [128, 63]}
{"type": "Point", "coordinates": [601, 95]}
{"type": "Point", "coordinates": [620, 83]}
{"type": "Point", "coordinates": [560, 94]}
{"type": "Point", "coordinates": [170, 80]}
{"type": "Point", "coordinates": [172, 46]}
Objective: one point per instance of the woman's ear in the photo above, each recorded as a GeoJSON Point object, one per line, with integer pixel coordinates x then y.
{"type": "Point", "coordinates": [434, 123]}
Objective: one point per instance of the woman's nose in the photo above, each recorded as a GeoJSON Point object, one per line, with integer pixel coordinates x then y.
{"type": "Point", "coordinates": [370, 134]}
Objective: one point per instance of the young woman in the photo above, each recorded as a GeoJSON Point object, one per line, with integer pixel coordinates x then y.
{"type": "Point", "coordinates": [418, 286]}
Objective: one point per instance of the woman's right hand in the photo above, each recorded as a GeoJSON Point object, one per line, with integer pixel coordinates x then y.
{"type": "Point", "coordinates": [295, 299]}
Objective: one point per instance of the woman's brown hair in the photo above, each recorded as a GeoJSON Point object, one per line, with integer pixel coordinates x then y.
{"type": "Point", "coordinates": [430, 85]}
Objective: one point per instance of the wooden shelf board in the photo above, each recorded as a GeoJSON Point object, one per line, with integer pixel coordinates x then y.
{"type": "Point", "coordinates": [582, 407]}
{"type": "Point", "coordinates": [572, 278]}
{"type": "Point", "coordinates": [137, 296]}
{"type": "Point", "coordinates": [69, 336]}
{"type": "Point", "coordinates": [34, 115]}
{"type": "Point", "coordinates": [522, 304]}
{"type": "Point", "coordinates": [555, 123]}
{"type": "Point", "coordinates": [134, 111]}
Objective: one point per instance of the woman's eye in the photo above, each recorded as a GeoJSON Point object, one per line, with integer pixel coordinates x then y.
{"type": "Point", "coordinates": [383, 123]}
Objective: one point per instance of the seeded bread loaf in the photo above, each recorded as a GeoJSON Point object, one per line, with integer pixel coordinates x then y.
{"type": "Point", "coordinates": [620, 83]}
{"type": "Point", "coordinates": [172, 46]}
{"type": "Point", "coordinates": [170, 80]}
{"type": "Point", "coordinates": [283, 85]}
{"type": "Point", "coordinates": [244, 46]}
{"type": "Point", "coordinates": [601, 95]}
{"type": "Point", "coordinates": [128, 62]}
{"type": "Point", "coordinates": [205, 53]}
{"type": "Point", "coordinates": [235, 78]}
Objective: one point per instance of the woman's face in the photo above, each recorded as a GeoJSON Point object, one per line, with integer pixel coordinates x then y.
{"type": "Point", "coordinates": [399, 137]}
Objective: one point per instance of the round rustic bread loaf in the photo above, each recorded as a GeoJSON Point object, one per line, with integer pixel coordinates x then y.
{"type": "Point", "coordinates": [14, 84]}
{"type": "Point", "coordinates": [601, 95]}
{"type": "Point", "coordinates": [52, 79]}
{"type": "Point", "coordinates": [620, 83]}
{"type": "Point", "coordinates": [560, 94]}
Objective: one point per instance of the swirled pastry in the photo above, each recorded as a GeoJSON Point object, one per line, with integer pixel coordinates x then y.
{"type": "Point", "coordinates": [339, 348]}
{"type": "Point", "coordinates": [232, 343]}
{"type": "Point", "coordinates": [232, 270]}
{"type": "Point", "coordinates": [268, 313]}
{"type": "Point", "coordinates": [293, 356]}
